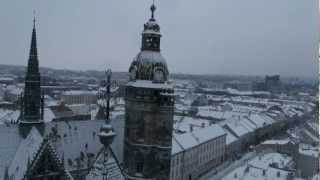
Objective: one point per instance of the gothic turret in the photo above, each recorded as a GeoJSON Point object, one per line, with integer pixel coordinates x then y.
{"type": "Point", "coordinates": [32, 92]}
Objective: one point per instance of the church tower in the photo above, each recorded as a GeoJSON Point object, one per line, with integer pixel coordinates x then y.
{"type": "Point", "coordinates": [149, 110]}
{"type": "Point", "coordinates": [32, 100]}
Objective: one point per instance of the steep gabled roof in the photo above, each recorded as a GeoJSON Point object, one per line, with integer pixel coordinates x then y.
{"type": "Point", "coordinates": [26, 151]}
{"type": "Point", "coordinates": [112, 165]}
{"type": "Point", "coordinates": [47, 151]}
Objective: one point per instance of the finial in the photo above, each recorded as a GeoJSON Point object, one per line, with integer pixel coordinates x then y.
{"type": "Point", "coordinates": [34, 18]}
{"type": "Point", "coordinates": [153, 9]}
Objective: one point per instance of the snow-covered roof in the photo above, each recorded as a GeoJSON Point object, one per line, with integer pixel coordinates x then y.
{"type": "Point", "coordinates": [239, 126]}
{"type": "Point", "coordinates": [260, 120]}
{"type": "Point", "coordinates": [230, 138]}
{"type": "Point", "coordinates": [208, 133]}
{"type": "Point", "coordinates": [149, 84]}
{"type": "Point", "coordinates": [97, 171]}
{"type": "Point", "coordinates": [176, 146]}
{"type": "Point", "coordinates": [192, 139]}
{"type": "Point", "coordinates": [8, 115]}
{"type": "Point", "coordinates": [6, 79]}
{"type": "Point", "coordinates": [274, 141]}
{"type": "Point", "coordinates": [79, 92]}
{"type": "Point", "coordinates": [25, 154]}
{"type": "Point", "coordinates": [69, 138]}
{"type": "Point", "coordinates": [259, 168]}
{"type": "Point", "coordinates": [80, 109]}
{"type": "Point", "coordinates": [308, 150]}
{"type": "Point", "coordinates": [183, 123]}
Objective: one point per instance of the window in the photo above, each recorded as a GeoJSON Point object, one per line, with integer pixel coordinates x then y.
{"type": "Point", "coordinates": [141, 127]}
{"type": "Point", "coordinates": [158, 76]}
{"type": "Point", "coordinates": [139, 163]}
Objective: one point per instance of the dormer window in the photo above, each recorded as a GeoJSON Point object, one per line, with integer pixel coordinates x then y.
{"type": "Point", "coordinates": [158, 76]}
{"type": "Point", "coordinates": [133, 73]}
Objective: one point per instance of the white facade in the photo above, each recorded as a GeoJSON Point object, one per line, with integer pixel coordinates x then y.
{"type": "Point", "coordinates": [197, 152]}
{"type": "Point", "coordinates": [79, 97]}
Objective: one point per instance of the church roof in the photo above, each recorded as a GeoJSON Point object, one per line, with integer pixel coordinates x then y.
{"type": "Point", "coordinates": [26, 151]}
{"type": "Point", "coordinates": [73, 141]}
{"type": "Point", "coordinates": [97, 171]}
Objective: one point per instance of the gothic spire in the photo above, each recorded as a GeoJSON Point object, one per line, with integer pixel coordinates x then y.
{"type": "Point", "coordinates": [32, 91]}
{"type": "Point", "coordinates": [33, 54]}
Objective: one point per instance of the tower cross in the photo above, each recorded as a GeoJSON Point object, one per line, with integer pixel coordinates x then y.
{"type": "Point", "coordinates": [153, 9]}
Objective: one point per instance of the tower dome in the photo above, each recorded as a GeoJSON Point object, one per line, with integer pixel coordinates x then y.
{"type": "Point", "coordinates": [149, 63]}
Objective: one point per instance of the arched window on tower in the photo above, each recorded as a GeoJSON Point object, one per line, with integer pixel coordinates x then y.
{"type": "Point", "coordinates": [141, 128]}
{"type": "Point", "coordinates": [133, 73]}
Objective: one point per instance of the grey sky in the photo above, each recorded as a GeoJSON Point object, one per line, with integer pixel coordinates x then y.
{"type": "Point", "coordinates": [206, 36]}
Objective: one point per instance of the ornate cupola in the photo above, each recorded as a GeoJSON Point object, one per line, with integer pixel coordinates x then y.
{"type": "Point", "coordinates": [149, 63]}
{"type": "Point", "coordinates": [151, 33]}
{"type": "Point", "coordinates": [32, 99]}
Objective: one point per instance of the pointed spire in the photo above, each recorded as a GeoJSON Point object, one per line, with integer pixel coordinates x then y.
{"type": "Point", "coordinates": [33, 49]}
{"type": "Point", "coordinates": [32, 92]}
{"type": "Point", "coordinates": [34, 19]}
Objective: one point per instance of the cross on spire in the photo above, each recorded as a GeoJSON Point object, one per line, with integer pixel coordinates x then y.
{"type": "Point", "coordinates": [153, 9]}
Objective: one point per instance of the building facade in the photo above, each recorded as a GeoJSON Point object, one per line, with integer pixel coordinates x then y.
{"type": "Point", "coordinates": [197, 152]}
{"type": "Point", "coordinates": [79, 97]}
{"type": "Point", "coordinates": [273, 84]}
{"type": "Point", "coordinates": [149, 110]}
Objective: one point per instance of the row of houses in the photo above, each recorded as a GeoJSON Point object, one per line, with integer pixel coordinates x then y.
{"type": "Point", "coordinates": [197, 152]}
{"type": "Point", "coordinates": [239, 130]}
{"type": "Point", "coordinates": [305, 156]}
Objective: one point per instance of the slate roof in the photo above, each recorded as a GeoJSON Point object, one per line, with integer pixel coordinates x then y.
{"type": "Point", "coordinates": [72, 140]}
{"type": "Point", "coordinates": [114, 171]}
{"type": "Point", "coordinates": [25, 152]}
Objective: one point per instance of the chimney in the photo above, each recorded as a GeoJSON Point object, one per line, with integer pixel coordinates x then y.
{"type": "Point", "coordinates": [203, 125]}
{"type": "Point", "coordinates": [191, 128]}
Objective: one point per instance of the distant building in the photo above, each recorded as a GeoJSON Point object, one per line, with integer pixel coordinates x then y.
{"type": "Point", "coordinates": [79, 97]}
{"type": "Point", "coordinates": [241, 86]}
{"type": "Point", "coordinates": [307, 160]}
{"type": "Point", "coordinates": [273, 84]}
{"type": "Point", "coordinates": [258, 86]}
{"type": "Point", "coordinates": [12, 93]}
{"type": "Point", "coordinates": [6, 80]}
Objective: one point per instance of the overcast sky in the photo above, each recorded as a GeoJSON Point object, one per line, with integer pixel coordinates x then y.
{"type": "Point", "coordinates": [254, 37]}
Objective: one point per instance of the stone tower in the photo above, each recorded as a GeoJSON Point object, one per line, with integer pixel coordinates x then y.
{"type": "Point", "coordinates": [32, 100]}
{"type": "Point", "coordinates": [149, 110]}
